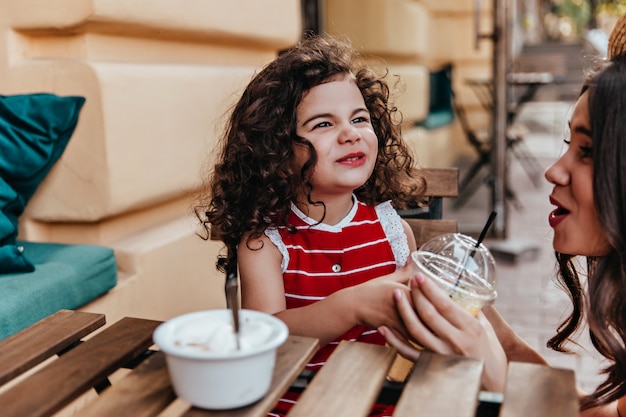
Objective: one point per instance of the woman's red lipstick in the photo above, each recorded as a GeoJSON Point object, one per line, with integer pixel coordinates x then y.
{"type": "Point", "coordinates": [557, 215]}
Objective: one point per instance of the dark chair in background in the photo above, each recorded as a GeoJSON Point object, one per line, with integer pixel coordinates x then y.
{"type": "Point", "coordinates": [440, 183]}
{"type": "Point", "coordinates": [481, 140]}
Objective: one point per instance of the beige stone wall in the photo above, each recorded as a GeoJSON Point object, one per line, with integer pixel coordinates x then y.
{"type": "Point", "coordinates": [157, 77]}
{"type": "Point", "coordinates": [411, 38]}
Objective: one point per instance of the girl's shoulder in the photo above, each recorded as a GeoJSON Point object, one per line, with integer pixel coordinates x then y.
{"type": "Point", "coordinates": [268, 246]}
{"type": "Point", "coordinates": [273, 237]}
{"type": "Point", "coordinates": [254, 243]}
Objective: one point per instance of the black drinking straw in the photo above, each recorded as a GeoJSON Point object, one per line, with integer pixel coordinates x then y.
{"type": "Point", "coordinates": [485, 229]}
{"type": "Point", "coordinates": [482, 235]}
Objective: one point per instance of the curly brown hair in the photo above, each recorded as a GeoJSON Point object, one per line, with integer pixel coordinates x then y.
{"type": "Point", "coordinates": [252, 184]}
{"type": "Point", "coordinates": [605, 304]}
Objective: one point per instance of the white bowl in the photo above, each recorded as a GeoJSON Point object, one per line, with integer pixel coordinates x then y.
{"type": "Point", "coordinates": [215, 379]}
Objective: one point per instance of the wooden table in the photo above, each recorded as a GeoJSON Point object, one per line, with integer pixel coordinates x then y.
{"type": "Point", "coordinates": [33, 385]}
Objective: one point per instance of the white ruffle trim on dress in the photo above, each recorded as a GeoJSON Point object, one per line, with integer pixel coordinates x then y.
{"type": "Point", "coordinates": [272, 233]}
{"type": "Point", "coordinates": [392, 225]}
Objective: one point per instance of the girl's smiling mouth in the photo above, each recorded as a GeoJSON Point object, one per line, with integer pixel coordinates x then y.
{"type": "Point", "coordinates": [353, 159]}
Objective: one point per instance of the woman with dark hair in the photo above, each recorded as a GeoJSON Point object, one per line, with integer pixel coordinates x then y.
{"type": "Point", "coordinates": [589, 221]}
{"type": "Point", "coordinates": [304, 192]}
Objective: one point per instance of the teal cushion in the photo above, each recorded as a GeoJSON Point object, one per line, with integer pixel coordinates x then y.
{"type": "Point", "coordinates": [440, 110]}
{"type": "Point", "coordinates": [66, 277]}
{"type": "Point", "coordinates": [437, 119]}
{"type": "Point", "coordinates": [34, 131]}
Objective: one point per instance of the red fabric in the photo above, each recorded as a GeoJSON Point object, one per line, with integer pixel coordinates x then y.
{"type": "Point", "coordinates": [362, 251]}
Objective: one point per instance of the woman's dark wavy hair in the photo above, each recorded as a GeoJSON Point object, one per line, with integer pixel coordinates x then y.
{"type": "Point", "coordinates": [252, 184]}
{"type": "Point", "coordinates": [605, 305]}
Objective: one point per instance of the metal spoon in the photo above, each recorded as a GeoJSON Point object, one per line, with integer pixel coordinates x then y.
{"type": "Point", "coordinates": [232, 298]}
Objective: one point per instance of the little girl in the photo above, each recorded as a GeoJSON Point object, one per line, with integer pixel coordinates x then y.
{"type": "Point", "coordinates": [304, 193]}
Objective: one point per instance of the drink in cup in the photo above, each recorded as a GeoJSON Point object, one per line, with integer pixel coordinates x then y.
{"type": "Point", "coordinates": [460, 266]}
{"type": "Point", "coordinates": [464, 269]}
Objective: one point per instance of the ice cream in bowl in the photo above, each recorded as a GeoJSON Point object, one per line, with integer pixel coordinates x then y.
{"type": "Point", "coordinates": [206, 367]}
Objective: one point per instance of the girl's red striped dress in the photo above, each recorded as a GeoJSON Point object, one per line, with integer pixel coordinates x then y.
{"type": "Point", "coordinates": [320, 259]}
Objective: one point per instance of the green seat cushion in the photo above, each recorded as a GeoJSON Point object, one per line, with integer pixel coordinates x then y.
{"type": "Point", "coordinates": [34, 131]}
{"type": "Point", "coordinates": [440, 110]}
{"type": "Point", "coordinates": [65, 277]}
{"type": "Point", "coordinates": [437, 119]}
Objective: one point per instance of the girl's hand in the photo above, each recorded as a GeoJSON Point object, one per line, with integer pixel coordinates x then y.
{"type": "Point", "coordinates": [373, 301]}
{"type": "Point", "coordinates": [370, 303]}
{"type": "Point", "coordinates": [440, 325]}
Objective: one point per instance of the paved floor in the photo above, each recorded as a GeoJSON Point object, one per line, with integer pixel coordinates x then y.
{"type": "Point", "coordinates": [528, 296]}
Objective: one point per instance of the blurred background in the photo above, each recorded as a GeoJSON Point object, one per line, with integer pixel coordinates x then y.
{"type": "Point", "coordinates": [483, 85]}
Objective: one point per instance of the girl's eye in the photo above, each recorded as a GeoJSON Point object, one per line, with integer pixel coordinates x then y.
{"type": "Point", "coordinates": [322, 124]}
{"type": "Point", "coordinates": [361, 119]}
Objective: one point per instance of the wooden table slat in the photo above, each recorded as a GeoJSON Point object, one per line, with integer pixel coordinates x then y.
{"type": "Point", "coordinates": [441, 385]}
{"type": "Point", "coordinates": [539, 391]}
{"type": "Point", "coordinates": [291, 358]}
{"type": "Point", "coordinates": [63, 380]}
{"type": "Point", "coordinates": [349, 382]}
{"type": "Point", "coordinates": [36, 343]}
{"type": "Point", "coordinates": [145, 392]}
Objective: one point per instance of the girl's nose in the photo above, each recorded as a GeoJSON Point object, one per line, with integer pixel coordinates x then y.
{"type": "Point", "coordinates": [349, 133]}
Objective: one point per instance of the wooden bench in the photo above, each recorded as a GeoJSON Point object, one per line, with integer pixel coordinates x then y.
{"type": "Point", "coordinates": [428, 223]}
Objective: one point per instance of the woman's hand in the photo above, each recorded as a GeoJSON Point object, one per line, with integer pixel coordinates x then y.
{"type": "Point", "coordinates": [515, 347]}
{"type": "Point", "coordinates": [438, 324]}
